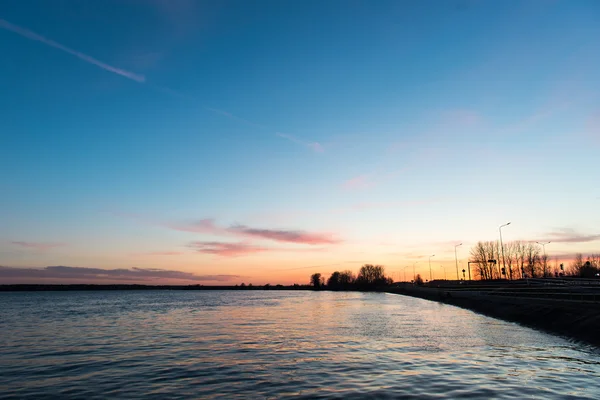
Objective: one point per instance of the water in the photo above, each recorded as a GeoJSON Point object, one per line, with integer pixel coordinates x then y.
{"type": "Point", "coordinates": [271, 344]}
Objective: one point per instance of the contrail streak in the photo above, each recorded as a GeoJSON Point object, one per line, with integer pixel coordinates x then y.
{"type": "Point", "coordinates": [34, 36]}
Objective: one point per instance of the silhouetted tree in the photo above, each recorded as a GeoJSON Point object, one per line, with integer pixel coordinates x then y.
{"type": "Point", "coordinates": [418, 279]}
{"type": "Point", "coordinates": [347, 279]}
{"type": "Point", "coordinates": [371, 276]}
{"type": "Point", "coordinates": [532, 258]}
{"type": "Point", "coordinates": [481, 254]}
{"type": "Point", "coordinates": [333, 283]}
{"type": "Point", "coordinates": [315, 280]}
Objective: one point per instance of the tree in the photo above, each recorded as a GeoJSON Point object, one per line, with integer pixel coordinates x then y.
{"type": "Point", "coordinates": [315, 280]}
{"type": "Point", "coordinates": [371, 276]}
{"type": "Point", "coordinates": [481, 255]}
{"type": "Point", "coordinates": [419, 280]}
{"type": "Point", "coordinates": [577, 265]}
{"type": "Point", "coordinates": [347, 279]}
{"type": "Point", "coordinates": [532, 258]}
{"type": "Point", "coordinates": [510, 254]}
{"type": "Point", "coordinates": [333, 282]}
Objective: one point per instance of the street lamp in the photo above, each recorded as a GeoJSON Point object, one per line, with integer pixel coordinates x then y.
{"type": "Point", "coordinates": [543, 244]}
{"type": "Point", "coordinates": [405, 272]}
{"type": "Point", "coordinates": [414, 274]}
{"type": "Point", "coordinates": [456, 260]}
{"type": "Point", "coordinates": [441, 266]}
{"type": "Point", "coordinates": [502, 246]}
{"type": "Point", "coordinates": [430, 276]}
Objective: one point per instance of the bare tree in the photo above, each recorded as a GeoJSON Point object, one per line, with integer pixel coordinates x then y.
{"type": "Point", "coordinates": [510, 256]}
{"type": "Point", "coordinates": [481, 254]}
{"type": "Point", "coordinates": [576, 265]}
{"type": "Point", "coordinates": [544, 265]}
{"type": "Point", "coordinates": [520, 255]}
{"type": "Point", "coordinates": [532, 258]}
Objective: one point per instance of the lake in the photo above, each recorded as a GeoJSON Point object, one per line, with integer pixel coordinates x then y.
{"type": "Point", "coordinates": [276, 344]}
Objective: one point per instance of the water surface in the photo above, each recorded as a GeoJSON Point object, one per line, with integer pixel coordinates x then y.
{"type": "Point", "coordinates": [275, 344]}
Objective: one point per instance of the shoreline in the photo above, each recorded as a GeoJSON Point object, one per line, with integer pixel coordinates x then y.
{"type": "Point", "coordinates": [578, 320]}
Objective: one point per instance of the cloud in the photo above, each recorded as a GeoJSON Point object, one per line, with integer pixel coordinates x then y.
{"type": "Point", "coordinates": [90, 274]}
{"type": "Point", "coordinates": [358, 183]}
{"type": "Point", "coordinates": [227, 249]}
{"type": "Point", "coordinates": [37, 245]}
{"type": "Point", "coordinates": [208, 226]}
{"type": "Point", "coordinates": [568, 235]}
{"type": "Point", "coordinates": [365, 181]}
{"type": "Point", "coordinates": [314, 146]}
{"type": "Point", "coordinates": [284, 235]}
{"type": "Point", "coordinates": [461, 118]}
{"type": "Point", "coordinates": [163, 253]}
{"type": "Point", "coordinates": [233, 117]}
{"type": "Point", "coordinates": [90, 60]}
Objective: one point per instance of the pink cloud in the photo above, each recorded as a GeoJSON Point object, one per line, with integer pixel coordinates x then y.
{"type": "Point", "coordinates": [208, 226]}
{"type": "Point", "coordinates": [227, 249]}
{"type": "Point", "coordinates": [569, 235]}
{"type": "Point", "coordinates": [84, 274]}
{"type": "Point", "coordinates": [37, 245]}
{"type": "Point", "coordinates": [285, 235]}
{"type": "Point", "coordinates": [358, 182]}
{"type": "Point", "coordinates": [314, 146]}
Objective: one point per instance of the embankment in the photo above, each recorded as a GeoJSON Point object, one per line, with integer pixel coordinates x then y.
{"type": "Point", "coordinates": [578, 320]}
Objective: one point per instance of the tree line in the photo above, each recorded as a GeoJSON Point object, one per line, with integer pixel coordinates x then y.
{"type": "Point", "coordinates": [369, 277]}
{"type": "Point", "coordinates": [519, 259]}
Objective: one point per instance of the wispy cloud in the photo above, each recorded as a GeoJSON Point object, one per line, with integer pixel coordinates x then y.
{"type": "Point", "coordinates": [568, 235]}
{"type": "Point", "coordinates": [366, 181]}
{"type": "Point", "coordinates": [233, 117]}
{"type": "Point", "coordinates": [325, 265]}
{"type": "Point", "coordinates": [41, 246]}
{"type": "Point", "coordinates": [161, 253]}
{"type": "Point", "coordinates": [461, 118]}
{"type": "Point", "coordinates": [208, 226]}
{"type": "Point", "coordinates": [314, 146]}
{"type": "Point", "coordinates": [64, 273]}
{"type": "Point", "coordinates": [358, 183]}
{"type": "Point", "coordinates": [227, 249]}
{"type": "Point", "coordinates": [289, 236]}
{"type": "Point", "coordinates": [34, 36]}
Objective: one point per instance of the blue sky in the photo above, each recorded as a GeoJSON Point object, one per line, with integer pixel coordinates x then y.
{"type": "Point", "coordinates": [374, 132]}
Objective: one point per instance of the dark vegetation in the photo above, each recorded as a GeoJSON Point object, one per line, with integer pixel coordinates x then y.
{"type": "Point", "coordinates": [369, 277]}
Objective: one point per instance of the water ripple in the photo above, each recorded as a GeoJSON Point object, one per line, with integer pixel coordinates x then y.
{"type": "Point", "coordinates": [276, 344]}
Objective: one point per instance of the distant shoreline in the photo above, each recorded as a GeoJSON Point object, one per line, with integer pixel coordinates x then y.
{"type": "Point", "coordinates": [92, 287]}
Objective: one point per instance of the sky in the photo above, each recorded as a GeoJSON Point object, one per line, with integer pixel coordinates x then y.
{"type": "Point", "coordinates": [166, 141]}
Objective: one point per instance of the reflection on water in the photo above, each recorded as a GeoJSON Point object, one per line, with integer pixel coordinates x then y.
{"type": "Point", "coordinates": [255, 344]}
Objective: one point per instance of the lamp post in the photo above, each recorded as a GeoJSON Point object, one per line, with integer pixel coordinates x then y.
{"type": "Point", "coordinates": [502, 246]}
{"type": "Point", "coordinates": [543, 244]}
{"type": "Point", "coordinates": [441, 266]}
{"type": "Point", "coordinates": [414, 274]}
{"type": "Point", "coordinates": [430, 275]}
{"type": "Point", "coordinates": [456, 260]}
{"type": "Point", "coordinates": [405, 272]}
